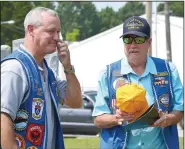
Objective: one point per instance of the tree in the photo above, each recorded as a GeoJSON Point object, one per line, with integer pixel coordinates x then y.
{"type": "Point", "coordinates": [78, 15]}
{"type": "Point", "coordinates": [13, 11]}
{"type": "Point", "coordinates": [46, 4]}
{"type": "Point", "coordinates": [73, 36]}
{"type": "Point", "coordinates": [108, 19]}
{"type": "Point", "coordinates": [131, 9]}
{"type": "Point", "coordinates": [16, 11]}
{"type": "Point", "coordinates": [177, 8]}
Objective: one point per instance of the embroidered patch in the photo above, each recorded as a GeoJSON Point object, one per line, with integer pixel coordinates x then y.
{"type": "Point", "coordinates": [119, 82]}
{"type": "Point", "coordinates": [21, 120]}
{"type": "Point", "coordinates": [32, 147]}
{"type": "Point", "coordinates": [160, 81]}
{"type": "Point", "coordinates": [164, 100]}
{"type": "Point", "coordinates": [39, 90]}
{"type": "Point", "coordinates": [20, 141]}
{"type": "Point", "coordinates": [162, 74]}
{"type": "Point", "coordinates": [34, 133]}
{"type": "Point", "coordinates": [37, 108]}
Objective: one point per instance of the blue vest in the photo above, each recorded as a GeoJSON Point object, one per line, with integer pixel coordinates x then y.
{"type": "Point", "coordinates": [30, 124]}
{"type": "Point", "coordinates": [115, 137]}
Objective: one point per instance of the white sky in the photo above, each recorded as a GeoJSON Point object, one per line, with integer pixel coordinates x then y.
{"type": "Point", "coordinates": [114, 5]}
{"type": "Point", "coordinates": [117, 5]}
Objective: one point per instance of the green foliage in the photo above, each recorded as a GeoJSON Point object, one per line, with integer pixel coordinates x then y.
{"type": "Point", "coordinates": [16, 11]}
{"type": "Point", "coordinates": [108, 19]}
{"type": "Point", "coordinates": [13, 11]}
{"type": "Point", "coordinates": [79, 15]}
{"type": "Point", "coordinates": [177, 8]}
{"type": "Point", "coordinates": [43, 4]}
{"type": "Point", "coordinates": [160, 7]}
{"type": "Point", "coordinates": [131, 9]}
{"type": "Point", "coordinates": [73, 36]}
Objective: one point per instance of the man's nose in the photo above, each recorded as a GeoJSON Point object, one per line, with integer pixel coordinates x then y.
{"type": "Point", "coordinates": [133, 43]}
{"type": "Point", "coordinates": [56, 36]}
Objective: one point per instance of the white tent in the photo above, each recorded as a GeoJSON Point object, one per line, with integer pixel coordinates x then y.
{"type": "Point", "coordinates": [90, 56]}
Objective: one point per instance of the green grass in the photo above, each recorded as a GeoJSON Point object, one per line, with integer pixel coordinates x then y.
{"type": "Point", "coordinates": [91, 143]}
{"type": "Point", "coordinates": [81, 143]}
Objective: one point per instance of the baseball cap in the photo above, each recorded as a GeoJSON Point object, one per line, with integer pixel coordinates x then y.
{"type": "Point", "coordinates": [131, 98]}
{"type": "Point", "coordinates": [137, 26]}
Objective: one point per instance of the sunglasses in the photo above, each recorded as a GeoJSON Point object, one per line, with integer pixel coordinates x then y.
{"type": "Point", "coordinates": [138, 40]}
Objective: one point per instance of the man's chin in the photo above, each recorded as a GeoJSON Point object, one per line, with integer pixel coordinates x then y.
{"type": "Point", "coordinates": [133, 59]}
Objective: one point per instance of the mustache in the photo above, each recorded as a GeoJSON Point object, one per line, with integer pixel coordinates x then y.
{"type": "Point", "coordinates": [133, 51]}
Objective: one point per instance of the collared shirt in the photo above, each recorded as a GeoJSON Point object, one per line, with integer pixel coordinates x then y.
{"type": "Point", "coordinates": [150, 137]}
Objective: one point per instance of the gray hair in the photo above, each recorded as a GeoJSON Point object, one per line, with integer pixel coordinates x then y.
{"type": "Point", "coordinates": [34, 17]}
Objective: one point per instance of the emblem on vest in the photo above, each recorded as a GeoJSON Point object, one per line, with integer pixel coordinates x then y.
{"type": "Point", "coordinates": [37, 108]}
{"type": "Point", "coordinates": [160, 74]}
{"type": "Point", "coordinates": [39, 90]}
{"type": "Point", "coordinates": [160, 81]}
{"type": "Point", "coordinates": [164, 100]}
{"type": "Point", "coordinates": [20, 141]}
{"type": "Point", "coordinates": [119, 82]}
{"type": "Point", "coordinates": [21, 120]}
{"type": "Point", "coordinates": [34, 133]}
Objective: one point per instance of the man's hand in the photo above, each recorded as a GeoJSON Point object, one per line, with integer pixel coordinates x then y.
{"type": "Point", "coordinates": [63, 54]}
{"type": "Point", "coordinates": [123, 116]}
{"type": "Point", "coordinates": [163, 121]}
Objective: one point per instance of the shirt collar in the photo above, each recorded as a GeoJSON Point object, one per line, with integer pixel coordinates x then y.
{"type": "Point", "coordinates": [150, 67]}
{"type": "Point", "coordinates": [24, 48]}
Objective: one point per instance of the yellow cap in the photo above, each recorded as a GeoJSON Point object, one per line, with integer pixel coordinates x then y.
{"type": "Point", "coordinates": [131, 98]}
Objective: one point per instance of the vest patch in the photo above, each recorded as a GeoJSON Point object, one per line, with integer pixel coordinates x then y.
{"type": "Point", "coordinates": [32, 147]}
{"type": "Point", "coordinates": [159, 74]}
{"type": "Point", "coordinates": [34, 133]}
{"type": "Point", "coordinates": [119, 82]}
{"type": "Point", "coordinates": [39, 90]}
{"type": "Point", "coordinates": [21, 120]}
{"type": "Point", "coordinates": [164, 100]}
{"type": "Point", "coordinates": [20, 141]}
{"type": "Point", "coordinates": [161, 81]}
{"type": "Point", "coordinates": [37, 108]}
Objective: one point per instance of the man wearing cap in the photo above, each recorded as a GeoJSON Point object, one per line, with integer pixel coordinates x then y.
{"type": "Point", "coordinates": [163, 87]}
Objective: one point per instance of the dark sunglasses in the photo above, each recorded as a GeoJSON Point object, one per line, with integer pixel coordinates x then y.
{"type": "Point", "coordinates": [138, 40]}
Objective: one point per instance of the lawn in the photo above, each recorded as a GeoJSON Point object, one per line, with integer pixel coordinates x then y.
{"type": "Point", "coordinates": [91, 143]}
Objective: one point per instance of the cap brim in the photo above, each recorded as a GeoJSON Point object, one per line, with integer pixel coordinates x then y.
{"type": "Point", "coordinates": [134, 33]}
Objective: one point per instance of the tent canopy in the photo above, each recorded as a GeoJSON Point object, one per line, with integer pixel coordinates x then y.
{"type": "Point", "coordinates": [91, 55]}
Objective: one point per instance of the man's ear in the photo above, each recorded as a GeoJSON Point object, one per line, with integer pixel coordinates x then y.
{"type": "Point", "coordinates": [30, 30]}
{"type": "Point", "coordinates": [150, 41]}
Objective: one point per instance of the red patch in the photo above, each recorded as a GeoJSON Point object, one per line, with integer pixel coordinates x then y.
{"type": "Point", "coordinates": [34, 133]}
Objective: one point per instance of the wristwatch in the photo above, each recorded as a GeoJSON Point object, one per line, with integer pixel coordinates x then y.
{"type": "Point", "coordinates": [70, 71]}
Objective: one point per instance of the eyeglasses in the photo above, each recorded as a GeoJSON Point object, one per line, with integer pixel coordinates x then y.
{"type": "Point", "coordinates": [138, 40]}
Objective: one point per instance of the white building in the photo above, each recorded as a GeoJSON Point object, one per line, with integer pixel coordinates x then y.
{"type": "Point", "coordinates": [90, 56]}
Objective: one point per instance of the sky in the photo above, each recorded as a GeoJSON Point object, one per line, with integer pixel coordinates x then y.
{"type": "Point", "coordinates": [114, 5]}
{"type": "Point", "coordinates": [117, 5]}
